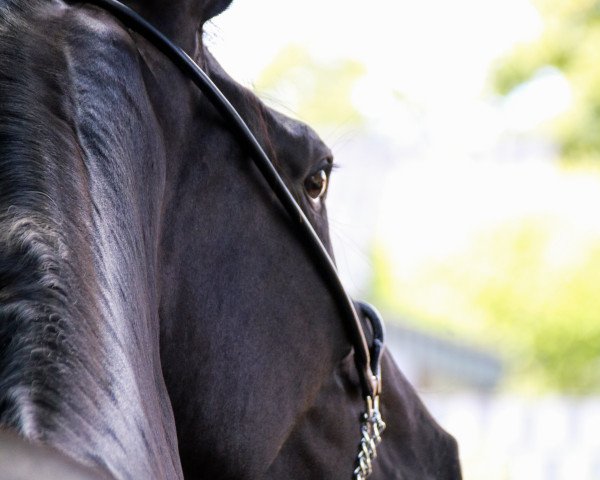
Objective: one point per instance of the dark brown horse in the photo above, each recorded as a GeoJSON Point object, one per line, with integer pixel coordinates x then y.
{"type": "Point", "coordinates": [158, 316]}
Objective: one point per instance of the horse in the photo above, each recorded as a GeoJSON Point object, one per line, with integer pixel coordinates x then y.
{"type": "Point", "coordinates": [158, 316]}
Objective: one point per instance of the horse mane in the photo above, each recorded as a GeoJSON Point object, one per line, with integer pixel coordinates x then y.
{"type": "Point", "coordinates": [79, 356]}
{"type": "Point", "coordinates": [34, 309]}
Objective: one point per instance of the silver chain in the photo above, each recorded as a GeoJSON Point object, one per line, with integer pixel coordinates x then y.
{"type": "Point", "coordinates": [372, 426]}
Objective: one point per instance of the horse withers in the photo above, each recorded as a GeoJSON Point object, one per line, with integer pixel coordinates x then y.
{"type": "Point", "coordinates": [158, 316]}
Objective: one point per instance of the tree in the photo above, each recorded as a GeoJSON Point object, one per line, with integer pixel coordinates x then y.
{"type": "Point", "coordinates": [512, 292]}
{"type": "Point", "coordinates": [568, 43]}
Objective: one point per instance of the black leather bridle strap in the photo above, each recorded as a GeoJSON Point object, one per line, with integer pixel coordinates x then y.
{"type": "Point", "coordinates": [190, 69]}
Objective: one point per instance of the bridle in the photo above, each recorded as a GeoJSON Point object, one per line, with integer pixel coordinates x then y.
{"type": "Point", "coordinates": [367, 360]}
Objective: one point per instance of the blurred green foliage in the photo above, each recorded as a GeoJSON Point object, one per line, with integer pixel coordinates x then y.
{"type": "Point", "coordinates": [570, 42]}
{"type": "Point", "coordinates": [528, 288]}
{"type": "Point", "coordinates": [315, 91]}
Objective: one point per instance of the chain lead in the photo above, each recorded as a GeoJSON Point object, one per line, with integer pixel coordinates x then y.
{"type": "Point", "coordinates": [372, 426]}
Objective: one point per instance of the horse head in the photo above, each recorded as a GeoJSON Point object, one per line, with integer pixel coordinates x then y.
{"type": "Point", "coordinates": [253, 348]}
{"type": "Point", "coordinates": [155, 301]}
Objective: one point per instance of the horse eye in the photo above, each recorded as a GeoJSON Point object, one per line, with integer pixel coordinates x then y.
{"type": "Point", "coordinates": [316, 184]}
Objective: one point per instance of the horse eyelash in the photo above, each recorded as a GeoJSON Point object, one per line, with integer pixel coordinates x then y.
{"type": "Point", "coordinates": [334, 166]}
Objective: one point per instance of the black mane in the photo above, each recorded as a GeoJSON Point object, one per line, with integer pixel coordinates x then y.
{"type": "Point", "coordinates": [78, 335]}
{"type": "Point", "coordinates": [36, 144]}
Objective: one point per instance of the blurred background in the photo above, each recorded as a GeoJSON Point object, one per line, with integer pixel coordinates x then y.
{"type": "Point", "coordinates": [465, 205]}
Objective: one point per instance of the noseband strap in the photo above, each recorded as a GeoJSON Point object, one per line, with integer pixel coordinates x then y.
{"type": "Point", "coordinates": [378, 328]}
{"type": "Point", "coordinates": [367, 360]}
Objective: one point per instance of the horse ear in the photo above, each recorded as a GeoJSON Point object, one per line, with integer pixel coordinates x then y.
{"type": "Point", "coordinates": [212, 8]}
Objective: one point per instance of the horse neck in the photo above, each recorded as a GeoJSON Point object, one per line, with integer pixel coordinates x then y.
{"type": "Point", "coordinates": [78, 220]}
